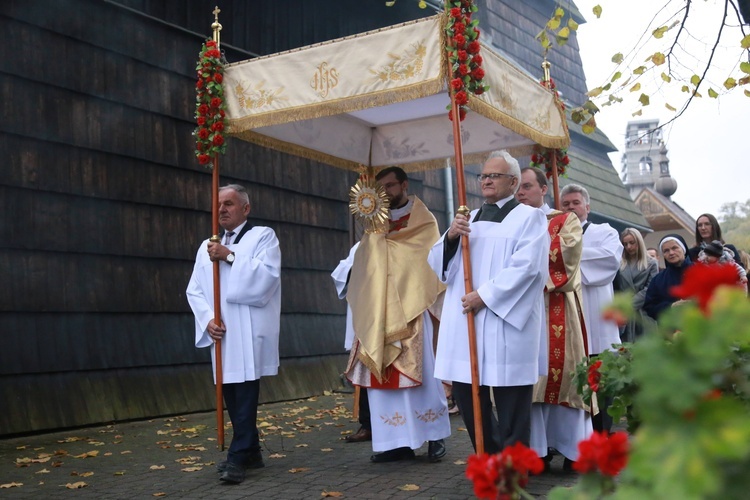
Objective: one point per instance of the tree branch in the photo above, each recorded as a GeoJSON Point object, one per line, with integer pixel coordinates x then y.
{"type": "Point", "coordinates": [677, 37]}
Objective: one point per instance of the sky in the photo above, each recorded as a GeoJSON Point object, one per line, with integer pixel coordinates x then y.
{"type": "Point", "coordinates": [707, 145]}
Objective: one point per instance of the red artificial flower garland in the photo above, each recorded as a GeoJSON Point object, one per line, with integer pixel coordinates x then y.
{"type": "Point", "coordinates": [210, 114]}
{"type": "Point", "coordinates": [463, 54]}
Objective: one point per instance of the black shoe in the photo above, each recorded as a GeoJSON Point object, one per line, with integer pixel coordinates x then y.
{"type": "Point", "coordinates": [435, 450]}
{"type": "Point", "coordinates": [361, 436]}
{"type": "Point", "coordinates": [256, 462]}
{"type": "Point", "coordinates": [233, 473]}
{"type": "Point", "coordinates": [568, 465]}
{"type": "Point", "coordinates": [393, 455]}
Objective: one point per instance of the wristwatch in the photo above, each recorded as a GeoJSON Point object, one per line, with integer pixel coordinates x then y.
{"type": "Point", "coordinates": [230, 258]}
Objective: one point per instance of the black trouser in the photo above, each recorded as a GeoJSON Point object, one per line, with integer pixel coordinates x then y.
{"type": "Point", "coordinates": [513, 421]}
{"type": "Point", "coordinates": [242, 406]}
{"type": "Point", "coordinates": [364, 409]}
{"type": "Point", "coordinates": [602, 421]}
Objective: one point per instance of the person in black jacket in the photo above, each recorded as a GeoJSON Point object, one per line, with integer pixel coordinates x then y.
{"type": "Point", "coordinates": [658, 296]}
{"type": "Point", "coordinates": [707, 229]}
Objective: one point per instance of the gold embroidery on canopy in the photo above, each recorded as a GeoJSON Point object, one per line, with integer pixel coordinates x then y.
{"type": "Point", "coordinates": [257, 97]}
{"type": "Point", "coordinates": [403, 66]}
{"type": "Point", "coordinates": [324, 79]}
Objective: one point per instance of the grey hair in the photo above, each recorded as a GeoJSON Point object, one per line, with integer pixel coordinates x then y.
{"type": "Point", "coordinates": [513, 168]}
{"type": "Point", "coordinates": [240, 190]}
{"type": "Point", "coordinates": [575, 188]}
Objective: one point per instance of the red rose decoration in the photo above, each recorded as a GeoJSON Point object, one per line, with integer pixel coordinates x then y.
{"type": "Point", "coordinates": [218, 78]}
{"type": "Point", "coordinates": [203, 133]}
{"type": "Point", "coordinates": [218, 140]}
{"type": "Point", "coordinates": [209, 112]}
{"type": "Point", "coordinates": [461, 114]}
{"type": "Point", "coordinates": [215, 102]}
{"type": "Point", "coordinates": [217, 127]}
{"type": "Point", "coordinates": [460, 40]}
{"type": "Point", "coordinates": [473, 47]}
{"type": "Point", "coordinates": [463, 55]}
{"type": "Point", "coordinates": [202, 109]}
{"type": "Point", "coordinates": [459, 28]}
{"type": "Point", "coordinates": [461, 98]}
{"type": "Point", "coordinates": [201, 120]}
{"type": "Point", "coordinates": [478, 73]}
{"type": "Point", "coordinates": [203, 159]}
{"type": "Point", "coordinates": [477, 59]}
{"type": "Point", "coordinates": [463, 69]}
{"type": "Point", "coordinates": [210, 43]}
{"type": "Point", "coordinates": [701, 281]}
{"type": "Point", "coordinates": [455, 12]}
{"type": "Point", "coordinates": [457, 83]}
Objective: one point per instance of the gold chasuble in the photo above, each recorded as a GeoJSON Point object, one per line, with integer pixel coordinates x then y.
{"type": "Point", "coordinates": [565, 327]}
{"type": "Point", "coordinates": [390, 286]}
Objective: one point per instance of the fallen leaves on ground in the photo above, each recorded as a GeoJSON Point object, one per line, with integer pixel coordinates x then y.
{"type": "Point", "coordinates": [192, 469]}
{"type": "Point", "coordinates": [276, 455]}
{"type": "Point", "coordinates": [72, 439]}
{"type": "Point", "coordinates": [408, 487]}
{"type": "Point", "coordinates": [157, 467]}
{"type": "Point", "coordinates": [10, 485]}
{"type": "Point", "coordinates": [333, 494]}
{"type": "Point", "coordinates": [43, 471]}
{"type": "Point", "coordinates": [326, 449]}
{"type": "Point", "coordinates": [301, 445]}
{"type": "Point", "coordinates": [159, 494]}
{"type": "Point", "coordinates": [119, 473]}
{"type": "Point", "coordinates": [87, 454]}
{"type": "Point", "coordinates": [76, 486]}
{"type": "Point", "coordinates": [460, 462]}
{"type": "Point", "coordinates": [299, 469]}
{"type": "Point", "coordinates": [81, 474]}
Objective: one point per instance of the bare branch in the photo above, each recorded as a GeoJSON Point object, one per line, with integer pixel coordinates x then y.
{"type": "Point", "coordinates": [677, 37]}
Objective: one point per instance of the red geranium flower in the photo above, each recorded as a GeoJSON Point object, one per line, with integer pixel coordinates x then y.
{"type": "Point", "coordinates": [484, 471]}
{"type": "Point", "coordinates": [701, 281]}
{"type": "Point", "coordinates": [594, 375]}
{"type": "Point", "coordinates": [473, 47]}
{"type": "Point", "coordinates": [500, 476]}
{"type": "Point", "coordinates": [606, 453]}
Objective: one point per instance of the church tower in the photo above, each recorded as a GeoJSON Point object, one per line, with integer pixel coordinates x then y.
{"type": "Point", "coordinates": [645, 163]}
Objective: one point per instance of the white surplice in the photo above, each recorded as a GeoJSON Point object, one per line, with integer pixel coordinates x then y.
{"type": "Point", "coordinates": [340, 277]}
{"type": "Point", "coordinates": [558, 427]}
{"type": "Point", "coordinates": [600, 261]}
{"type": "Point", "coordinates": [509, 271]}
{"type": "Point", "coordinates": [250, 305]}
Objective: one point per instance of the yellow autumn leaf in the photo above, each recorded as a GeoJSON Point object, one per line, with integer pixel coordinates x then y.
{"type": "Point", "coordinates": [390, 3]}
{"type": "Point", "coordinates": [43, 471]}
{"type": "Point", "coordinates": [697, 94]}
{"type": "Point", "coordinates": [589, 126]}
{"type": "Point", "coordinates": [745, 67]}
{"type": "Point", "coordinates": [88, 454]}
{"type": "Point", "coordinates": [670, 108]}
{"type": "Point", "coordinates": [644, 100]}
{"type": "Point", "coordinates": [745, 42]}
{"type": "Point", "coordinates": [298, 469]}
{"type": "Point", "coordinates": [639, 70]}
{"type": "Point", "coordinates": [712, 93]}
{"type": "Point", "coordinates": [553, 23]}
{"type": "Point", "coordinates": [625, 82]}
{"type": "Point", "coordinates": [192, 469]}
{"type": "Point", "coordinates": [276, 455]}
{"type": "Point", "coordinates": [616, 76]}
{"type": "Point", "coordinates": [326, 449]}
{"type": "Point", "coordinates": [657, 58]}
{"type": "Point", "coordinates": [409, 487]}
{"type": "Point", "coordinates": [157, 467]}
{"type": "Point", "coordinates": [76, 486]}
{"type": "Point", "coordinates": [300, 445]}
{"type": "Point", "coordinates": [744, 80]}
{"type": "Point", "coordinates": [331, 494]}
{"type": "Point", "coordinates": [572, 24]}
{"type": "Point", "coordinates": [460, 462]}
{"type": "Point", "coordinates": [695, 79]}
{"type": "Point", "coordinates": [747, 93]}
{"type": "Point", "coordinates": [730, 82]}
{"type": "Point", "coordinates": [119, 473]}
{"type": "Point", "coordinates": [659, 32]}
{"type": "Point", "coordinates": [635, 87]}
{"type": "Point", "coordinates": [594, 92]}
{"type": "Point", "coordinates": [422, 4]}
{"type": "Point", "coordinates": [159, 494]}
{"type": "Point", "coordinates": [564, 33]}
{"type": "Point", "coordinates": [559, 12]}
{"type": "Point", "coordinates": [685, 88]}
{"type": "Point", "coordinates": [666, 77]}
{"type": "Point", "coordinates": [597, 10]}
{"type": "Point", "coordinates": [617, 58]}
{"type": "Point", "coordinates": [10, 485]}
{"type": "Point", "coordinates": [638, 113]}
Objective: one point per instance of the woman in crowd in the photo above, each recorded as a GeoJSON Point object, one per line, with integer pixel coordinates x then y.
{"type": "Point", "coordinates": [658, 298]}
{"type": "Point", "coordinates": [636, 271]}
{"type": "Point", "coordinates": [707, 229]}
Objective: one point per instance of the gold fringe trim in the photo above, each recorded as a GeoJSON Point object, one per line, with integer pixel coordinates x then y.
{"type": "Point", "coordinates": [337, 106]}
{"type": "Point", "coordinates": [517, 126]}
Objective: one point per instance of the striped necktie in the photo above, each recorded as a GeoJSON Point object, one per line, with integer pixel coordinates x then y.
{"type": "Point", "coordinates": [228, 238]}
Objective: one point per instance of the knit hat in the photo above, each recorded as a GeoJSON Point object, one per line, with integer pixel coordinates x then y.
{"type": "Point", "coordinates": [715, 248]}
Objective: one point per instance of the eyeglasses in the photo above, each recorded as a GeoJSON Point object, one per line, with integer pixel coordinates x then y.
{"type": "Point", "coordinates": [482, 177]}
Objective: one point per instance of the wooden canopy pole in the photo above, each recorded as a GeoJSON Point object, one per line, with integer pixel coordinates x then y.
{"type": "Point", "coordinates": [468, 286]}
{"type": "Point", "coordinates": [217, 285]}
{"type": "Point", "coordinates": [553, 156]}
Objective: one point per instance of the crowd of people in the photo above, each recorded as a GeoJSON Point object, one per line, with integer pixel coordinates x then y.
{"type": "Point", "coordinates": [539, 280]}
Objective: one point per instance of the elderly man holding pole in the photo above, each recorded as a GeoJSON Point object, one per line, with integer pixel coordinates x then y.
{"type": "Point", "coordinates": [509, 247]}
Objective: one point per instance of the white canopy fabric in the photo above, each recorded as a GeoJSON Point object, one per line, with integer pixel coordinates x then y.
{"type": "Point", "coordinates": [380, 98]}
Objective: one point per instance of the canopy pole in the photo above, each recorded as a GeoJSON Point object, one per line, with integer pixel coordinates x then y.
{"type": "Point", "coordinates": [553, 153]}
{"type": "Point", "coordinates": [217, 286]}
{"type": "Point", "coordinates": [468, 287]}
